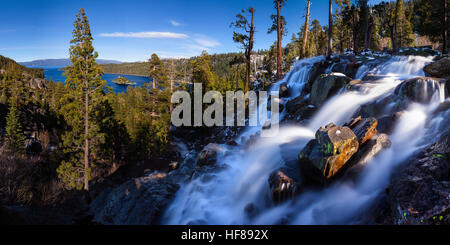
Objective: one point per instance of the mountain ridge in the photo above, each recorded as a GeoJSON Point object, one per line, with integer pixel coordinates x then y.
{"type": "Point", "coordinates": [61, 62]}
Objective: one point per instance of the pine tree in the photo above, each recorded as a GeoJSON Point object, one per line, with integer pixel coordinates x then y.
{"type": "Point", "coordinates": [342, 28]}
{"type": "Point", "coordinates": [15, 140]}
{"type": "Point", "coordinates": [85, 91]}
{"type": "Point", "coordinates": [431, 19]}
{"type": "Point", "coordinates": [279, 25]}
{"type": "Point", "coordinates": [330, 28]}
{"type": "Point", "coordinates": [306, 29]}
{"type": "Point", "coordinates": [201, 71]}
{"type": "Point", "coordinates": [160, 81]}
{"type": "Point", "coordinates": [245, 39]}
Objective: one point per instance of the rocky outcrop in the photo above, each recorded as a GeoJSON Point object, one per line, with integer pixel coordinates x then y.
{"type": "Point", "coordinates": [367, 152]}
{"type": "Point", "coordinates": [386, 123]}
{"type": "Point", "coordinates": [299, 108]}
{"type": "Point", "coordinates": [439, 68]}
{"type": "Point", "coordinates": [323, 157]}
{"type": "Point", "coordinates": [139, 201]}
{"type": "Point", "coordinates": [420, 192]}
{"type": "Point", "coordinates": [337, 149]}
{"type": "Point", "coordinates": [418, 89]}
{"type": "Point", "coordinates": [364, 128]}
{"type": "Point", "coordinates": [325, 86]}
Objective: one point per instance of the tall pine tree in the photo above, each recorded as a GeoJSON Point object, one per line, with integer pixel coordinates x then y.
{"type": "Point", "coordinates": [86, 90]}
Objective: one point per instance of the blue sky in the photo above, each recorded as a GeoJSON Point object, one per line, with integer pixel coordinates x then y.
{"type": "Point", "coordinates": [132, 30]}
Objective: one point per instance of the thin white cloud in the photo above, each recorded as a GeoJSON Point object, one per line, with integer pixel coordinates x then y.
{"type": "Point", "coordinates": [207, 42]}
{"type": "Point", "coordinates": [7, 30]}
{"type": "Point", "coordinates": [175, 23]}
{"type": "Point", "coordinates": [171, 35]}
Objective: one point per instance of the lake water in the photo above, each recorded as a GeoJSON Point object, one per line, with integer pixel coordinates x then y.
{"type": "Point", "coordinates": [55, 74]}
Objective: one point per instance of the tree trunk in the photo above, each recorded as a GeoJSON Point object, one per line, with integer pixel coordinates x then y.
{"type": "Point", "coordinates": [355, 33]}
{"type": "Point", "coordinates": [86, 139]}
{"type": "Point", "coordinates": [366, 27]}
{"type": "Point", "coordinates": [395, 44]}
{"type": "Point", "coordinates": [279, 34]}
{"type": "Point", "coordinates": [444, 31]}
{"type": "Point", "coordinates": [330, 28]}
{"type": "Point", "coordinates": [171, 85]}
{"type": "Point", "coordinates": [305, 37]}
{"type": "Point", "coordinates": [369, 31]}
{"type": "Point", "coordinates": [391, 29]}
{"type": "Point", "coordinates": [249, 52]}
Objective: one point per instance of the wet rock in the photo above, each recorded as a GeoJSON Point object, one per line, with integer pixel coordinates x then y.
{"type": "Point", "coordinates": [299, 108]}
{"type": "Point", "coordinates": [139, 201]}
{"type": "Point", "coordinates": [386, 123]}
{"type": "Point", "coordinates": [208, 156]}
{"type": "Point", "coordinates": [369, 150]}
{"type": "Point", "coordinates": [419, 192]}
{"type": "Point", "coordinates": [232, 143]}
{"type": "Point", "coordinates": [282, 187]}
{"type": "Point", "coordinates": [335, 140]}
{"type": "Point", "coordinates": [250, 210]}
{"type": "Point", "coordinates": [347, 65]}
{"type": "Point", "coordinates": [364, 129]}
{"type": "Point", "coordinates": [444, 106]}
{"type": "Point", "coordinates": [418, 89]}
{"type": "Point", "coordinates": [284, 90]}
{"type": "Point", "coordinates": [440, 68]}
{"type": "Point", "coordinates": [317, 69]}
{"type": "Point", "coordinates": [325, 86]}
{"type": "Point", "coordinates": [419, 51]}
{"type": "Point", "coordinates": [323, 157]}
{"type": "Point", "coordinates": [384, 105]}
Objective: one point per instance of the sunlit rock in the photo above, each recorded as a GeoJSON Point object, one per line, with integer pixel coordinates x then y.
{"type": "Point", "coordinates": [365, 129]}
{"type": "Point", "coordinates": [323, 157]}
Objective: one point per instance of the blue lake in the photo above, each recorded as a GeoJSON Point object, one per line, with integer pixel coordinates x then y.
{"type": "Point", "coordinates": [55, 74]}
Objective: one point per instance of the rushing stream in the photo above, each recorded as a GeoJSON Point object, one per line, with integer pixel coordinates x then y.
{"type": "Point", "coordinates": [221, 197]}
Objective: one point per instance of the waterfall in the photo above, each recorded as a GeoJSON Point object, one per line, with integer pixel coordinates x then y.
{"type": "Point", "coordinates": [221, 197]}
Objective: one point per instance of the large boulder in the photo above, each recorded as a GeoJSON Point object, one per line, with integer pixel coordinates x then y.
{"type": "Point", "coordinates": [323, 157]}
{"type": "Point", "coordinates": [139, 201]}
{"type": "Point", "coordinates": [364, 128]}
{"type": "Point", "coordinates": [386, 123]}
{"type": "Point", "coordinates": [347, 65]}
{"type": "Point", "coordinates": [327, 85]}
{"type": "Point", "coordinates": [367, 152]}
{"type": "Point", "coordinates": [317, 69]}
{"type": "Point", "coordinates": [440, 68]}
{"type": "Point", "coordinates": [418, 89]}
{"type": "Point", "coordinates": [299, 108]}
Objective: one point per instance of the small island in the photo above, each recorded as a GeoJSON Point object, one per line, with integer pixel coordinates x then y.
{"type": "Point", "coordinates": [123, 81]}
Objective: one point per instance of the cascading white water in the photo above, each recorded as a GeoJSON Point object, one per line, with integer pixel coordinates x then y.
{"type": "Point", "coordinates": [221, 197]}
